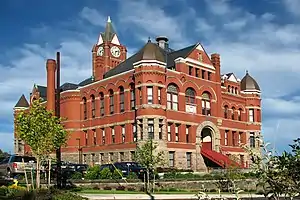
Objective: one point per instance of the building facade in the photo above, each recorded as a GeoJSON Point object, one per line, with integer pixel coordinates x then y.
{"type": "Point", "coordinates": [178, 98]}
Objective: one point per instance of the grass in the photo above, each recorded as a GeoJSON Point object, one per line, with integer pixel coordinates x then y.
{"type": "Point", "coordinates": [93, 191]}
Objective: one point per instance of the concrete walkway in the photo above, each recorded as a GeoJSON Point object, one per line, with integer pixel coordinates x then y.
{"type": "Point", "coordinates": [160, 196]}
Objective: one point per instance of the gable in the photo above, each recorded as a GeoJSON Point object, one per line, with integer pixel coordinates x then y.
{"type": "Point", "coordinates": [100, 40]}
{"type": "Point", "coordinates": [232, 78]}
{"type": "Point", "coordinates": [115, 40]}
{"type": "Point", "coordinates": [199, 54]}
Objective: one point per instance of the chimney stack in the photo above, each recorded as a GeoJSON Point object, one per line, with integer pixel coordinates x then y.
{"type": "Point", "coordinates": [51, 68]}
{"type": "Point", "coordinates": [162, 42]}
{"type": "Point", "coordinates": [215, 59]}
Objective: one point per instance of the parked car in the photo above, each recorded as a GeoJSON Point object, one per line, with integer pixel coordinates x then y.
{"type": "Point", "coordinates": [13, 165]}
{"type": "Point", "coordinates": [126, 168]}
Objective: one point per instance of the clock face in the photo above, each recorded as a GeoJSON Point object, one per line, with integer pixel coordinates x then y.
{"type": "Point", "coordinates": [100, 51]}
{"type": "Point", "coordinates": [115, 51]}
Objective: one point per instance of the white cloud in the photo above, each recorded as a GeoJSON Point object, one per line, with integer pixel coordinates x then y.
{"type": "Point", "coordinates": [93, 16]}
{"type": "Point", "coordinates": [292, 6]}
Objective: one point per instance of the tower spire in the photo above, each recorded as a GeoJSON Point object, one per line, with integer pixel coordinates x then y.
{"type": "Point", "coordinates": [108, 19]}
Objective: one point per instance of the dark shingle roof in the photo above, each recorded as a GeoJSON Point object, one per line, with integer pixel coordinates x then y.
{"type": "Point", "coordinates": [171, 56]}
{"type": "Point", "coordinates": [22, 103]}
{"type": "Point", "coordinates": [68, 86]}
{"type": "Point", "coordinates": [43, 92]}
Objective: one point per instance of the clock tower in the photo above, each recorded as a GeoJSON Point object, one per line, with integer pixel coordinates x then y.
{"type": "Point", "coordinates": [107, 52]}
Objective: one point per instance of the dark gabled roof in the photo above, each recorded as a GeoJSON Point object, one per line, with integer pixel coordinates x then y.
{"type": "Point", "coordinates": [43, 91]}
{"type": "Point", "coordinates": [68, 86]}
{"type": "Point", "coordinates": [169, 54]}
{"type": "Point", "coordinates": [22, 103]}
{"type": "Point", "coordinates": [86, 82]}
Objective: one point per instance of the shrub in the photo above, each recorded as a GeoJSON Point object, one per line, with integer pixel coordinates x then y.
{"type": "Point", "coordinates": [107, 188]}
{"type": "Point", "coordinates": [120, 187]}
{"type": "Point", "coordinates": [77, 175]}
{"type": "Point", "coordinates": [132, 175]}
{"type": "Point", "coordinates": [117, 174]}
{"type": "Point", "coordinates": [105, 174]}
{"type": "Point", "coordinates": [93, 173]}
{"type": "Point", "coordinates": [131, 189]}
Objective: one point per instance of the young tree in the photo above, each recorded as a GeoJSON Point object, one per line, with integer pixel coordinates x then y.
{"type": "Point", "coordinates": [148, 156]}
{"type": "Point", "coordinates": [42, 131]}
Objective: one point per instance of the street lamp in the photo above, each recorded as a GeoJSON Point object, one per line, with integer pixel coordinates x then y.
{"type": "Point", "coordinates": [79, 150]}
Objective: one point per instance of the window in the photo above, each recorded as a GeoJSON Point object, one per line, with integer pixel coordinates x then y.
{"type": "Point", "coordinates": [169, 132]}
{"type": "Point", "coordinates": [160, 127]}
{"type": "Point", "coordinates": [251, 115]}
{"type": "Point", "coordinates": [172, 97]}
{"type": "Point", "coordinates": [232, 90]}
{"type": "Point", "coordinates": [132, 155]}
{"type": "Point", "coordinates": [84, 158]}
{"type": "Point", "coordinates": [132, 97]}
{"type": "Point", "coordinates": [240, 138]}
{"type": "Point", "coordinates": [190, 95]}
{"type": "Point", "coordinates": [252, 140]}
{"type": "Point", "coordinates": [226, 112]}
{"type": "Point", "coordinates": [226, 137]}
{"type": "Point", "coordinates": [208, 75]}
{"type": "Point", "coordinates": [123, 133]}
{"type": "Point", "coordinates": [134, 132]}
{"type": "Point", "coordinates": [86, 137]}
{"type": "Point", "coordinates": [206, 108]}
{"type": "Point", "coordinates": [121, 89]}
{"type": "Point", "coordinates": [177, 132]}
{"type": "Point", "coordinates": [187, 133]}
{"type": "Point", "coordinates": [93, 159]}
{"type": "Point", "coordinates": [101, 104]}
{"type": "Point", "coordinates": [240, 114]}
{"type": "Point", "coordinates": [236, 91]}
{"type": "Point", "coordinates": [189, 159]}
{"type": "Point", "coordinates": [190, 70]}
{"type": "Point", "coordinates": [141, 129]}
{"type": "Point", "coordinates": [229, 88]}
{"type": "Point", "coordinates": [151, 129]}
{"type": "Point", "coordinates": [171, 159]}
{"type": "Point", "coordinates": [203, 74]}
{"type": "Point", "coordinates": [159, 95]}
{"type": "Point", "coordinates": [197, 72]}
{"type": "Point", "coordinates": [103, 135]}
{"type": "Point", "coordinates": [233, 138]}
{"type": "Point", "coordinates": [233, 113]}
{"type": "Point", "coordinates": [113, 137]}
{"type": "Point", "coordinates": [111, 157]}
{"type": "Point", "coordinates": [122, 156]}
{"type": "Point", "coordinates": [93, 106]}
{"type": "Point", "coordinates": [140, 95]}
{"type": "Point", "coordinates": [150, 95]}
{"type": "Point", "coordinates": [94, 137]}
{"type": "Point", "coordinates": [111, 101]}
{"type": "Point", "coordinates": [101, 158]}
{"type": "Point", "coordinates": [200, 58]}
{"type": "Point", "coordinates": [84, 108]}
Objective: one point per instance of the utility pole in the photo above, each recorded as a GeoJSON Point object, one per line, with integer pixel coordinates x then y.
{"type": "Point", "coordinates": [57, 113]}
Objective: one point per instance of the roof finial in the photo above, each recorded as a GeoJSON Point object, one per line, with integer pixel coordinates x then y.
{"type": "Point", "coordinates": [108, 19]}
{"type": "Point", "coordinates": [246, 71]}
{"type": "Point", "coordinates": [149, 39]}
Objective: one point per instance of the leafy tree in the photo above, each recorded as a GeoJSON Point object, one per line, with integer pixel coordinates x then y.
{"type": "Point", "coordinates": [42, 131]}
{"type": "Point", "coordinates": [278, 174]}
{"type": "Point", "coordinates": [148, 156]}
{"type": "Point", "coordinates": [3, 154]}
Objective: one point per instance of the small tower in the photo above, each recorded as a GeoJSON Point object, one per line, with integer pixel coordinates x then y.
{"type": "Point", "coordinates": [21, 105]}
{"type": "Point", "coordinates": [107, 53]}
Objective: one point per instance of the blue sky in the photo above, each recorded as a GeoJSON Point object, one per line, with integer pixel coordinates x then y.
{"type": "Point", "coordinates": [260, 36]}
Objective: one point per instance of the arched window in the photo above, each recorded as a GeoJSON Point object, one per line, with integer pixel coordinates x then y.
{"type": "Point", "coordinates": [172, 97]}
{"type": "Point", "coordinates": [101, 104]}
{"type": "Point", "coordinates": [232, 89]}
{"type": "Point", "coordinates": [121, 90]}
{"type": "Point", "coordinates": [228, 89]}
{"type": "Point", "coordinates": [84, 108]}
{"type": "Point", "coordinates": [111, 101]}
{"type": "Point", "coordinates": [236, 91]}
{"type": "Point", "coordinates": [93, 106]}
{"type": "Point", "coordinates": [233, 113]}
{"type": "Point", "coordinates": [190, 96]}
{"type": "Point", "coordinates": [206, 107]}
{"type": "Point", "coordinates": [240, 114]}
{"type": "Point", "coordinates": [225, 112]}
{"type": "Point", "coordinates": [132, 96]}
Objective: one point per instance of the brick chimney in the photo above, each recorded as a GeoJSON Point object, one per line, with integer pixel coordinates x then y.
{"type": "Point", "coordinates": [51, 68]}
{"type": "Point", "coordinates": [215, 59]}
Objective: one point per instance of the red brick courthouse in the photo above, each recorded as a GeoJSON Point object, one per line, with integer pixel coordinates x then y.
{"type": "Point", "coordinates": [179, 98]}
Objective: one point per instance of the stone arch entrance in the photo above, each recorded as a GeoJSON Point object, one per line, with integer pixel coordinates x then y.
{"type": "Point", "coordinates": [208, 136]}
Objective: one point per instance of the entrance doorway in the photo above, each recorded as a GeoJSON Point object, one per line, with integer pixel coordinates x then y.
{"type": "Point", "coordinates": [206, 138]}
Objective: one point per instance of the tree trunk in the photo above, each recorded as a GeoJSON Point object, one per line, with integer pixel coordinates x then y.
{"type": "Point", "coordinates": [49, 173]}
{"type": "Point", "coordinates": [38, 172]}
{"type": "Point", "coordinates": [148, 180]}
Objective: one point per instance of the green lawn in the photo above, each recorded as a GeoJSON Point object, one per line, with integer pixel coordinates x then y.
{"type": "Point", "coordinates": [91, 191]}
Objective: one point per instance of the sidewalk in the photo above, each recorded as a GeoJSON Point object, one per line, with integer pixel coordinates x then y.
{"type": "Point", "coordinates": [159, 196]}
